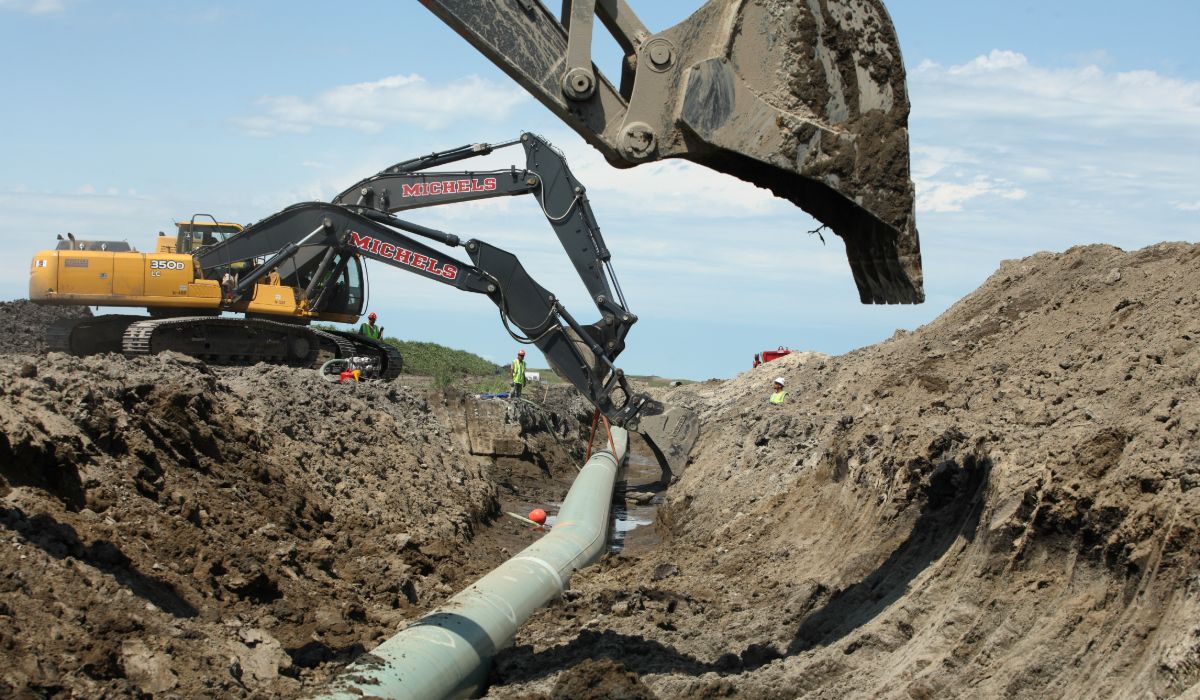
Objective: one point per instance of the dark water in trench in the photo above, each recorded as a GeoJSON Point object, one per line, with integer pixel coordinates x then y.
{"type": "Point", "coordinates": [631, 525]}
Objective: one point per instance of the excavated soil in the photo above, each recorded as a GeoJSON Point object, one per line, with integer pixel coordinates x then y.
{"type": "Point", "coordinates": [176, 530]}
{"type": "Point", "coordinates": [23, 324]}
{"type": "Point", "coordinates": [1003, 503]}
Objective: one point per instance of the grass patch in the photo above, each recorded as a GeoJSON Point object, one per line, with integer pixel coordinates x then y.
{"type": "Point", "coordinates": [445, 365]}
{"type": "Point", "coordinates": [492, 385]}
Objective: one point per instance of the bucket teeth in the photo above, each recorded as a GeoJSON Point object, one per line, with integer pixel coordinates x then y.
{"type": "Point", "coordinates": [670, 435]}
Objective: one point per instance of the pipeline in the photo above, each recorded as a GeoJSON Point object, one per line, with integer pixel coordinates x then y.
{"type": "Point", "coordinates": [447, 653]}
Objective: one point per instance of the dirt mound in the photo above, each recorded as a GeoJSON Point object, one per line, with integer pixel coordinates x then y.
{"type": "Point", "coordinates": [1000, 504]}
{"type": "Point", "coordinates": [23, 324]}
{"type": "Point", "coordinates": [170, 527]}
{"type": "Point", "coordinates": [600, 680]}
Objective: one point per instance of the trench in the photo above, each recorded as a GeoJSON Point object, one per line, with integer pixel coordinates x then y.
{"type": "Point", "coordinates": [639, 491]}
{"type": "Point", "coordinates": [631, 528]}
{"type": "Point", "coordinates": [448, 652]}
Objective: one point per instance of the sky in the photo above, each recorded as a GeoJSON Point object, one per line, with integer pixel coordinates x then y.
{"type": "Point", "coordinates": [1035, 126]}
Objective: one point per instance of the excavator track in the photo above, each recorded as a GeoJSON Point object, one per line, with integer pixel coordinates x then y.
{"type": "Point", "coordinates": [334, 344]}
{"type": "Point", "coordinates": [393, 362]}
{"type": "Point", "coordinates": [225, 340]}
{"type": "Point", "coordinates": [89, 335]}
{"type": "Point", "coordinates": [248, 341]}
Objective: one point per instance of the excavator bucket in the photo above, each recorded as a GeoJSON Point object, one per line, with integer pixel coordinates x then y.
{"type": "Point", "coordinates": [806, 98]}
{"type": "Point", "coordinates": [670, 435]}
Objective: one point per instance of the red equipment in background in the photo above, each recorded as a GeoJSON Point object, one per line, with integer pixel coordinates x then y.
{"type": "Point", "coordinates": [768, 355]}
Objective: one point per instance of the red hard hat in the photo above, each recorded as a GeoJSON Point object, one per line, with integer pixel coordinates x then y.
{"type": "Point", "coordinates": [520, 353]}
{"type": "Point", "coordinates": [371, 316]}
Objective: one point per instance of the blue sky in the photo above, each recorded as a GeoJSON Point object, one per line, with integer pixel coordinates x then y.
{"type": "Point", "coordinates": [1035, 126]}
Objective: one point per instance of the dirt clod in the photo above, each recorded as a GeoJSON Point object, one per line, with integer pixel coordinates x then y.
{"type": "Point", "coordinates": [23, 324]}
{"type": "Point", "coordinates": [600, 680]}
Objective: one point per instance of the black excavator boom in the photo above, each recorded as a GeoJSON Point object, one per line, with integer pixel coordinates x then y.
{"type": "Point", "coordinates": [361, 222]}
{"type": "Point", "coordinates": [530, 312]}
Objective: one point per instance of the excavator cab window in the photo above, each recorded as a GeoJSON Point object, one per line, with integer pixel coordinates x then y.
{"type": "Point", "coordinates": [347, 293]}
{"type": "Point", "coordinates": [193, 235]}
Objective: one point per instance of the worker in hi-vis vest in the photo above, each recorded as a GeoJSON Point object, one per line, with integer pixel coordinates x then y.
{"type": "Point", "coordinates": [369, 328]}
{"type": "Point", "coordinates": [779, 395]}
{"type": "Point", "coordinates": [518, 375]}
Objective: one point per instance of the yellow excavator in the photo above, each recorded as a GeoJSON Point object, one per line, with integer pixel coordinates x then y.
{"type": "Point", "coordinates": [185, 302]}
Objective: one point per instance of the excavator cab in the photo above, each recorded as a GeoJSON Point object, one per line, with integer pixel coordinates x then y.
{"type": "Point", "coordinates": [193, 235]}
{"type": "Point", "coordinates": [341, 288]}
{"type": "Point", "coordinates": [348, 295]}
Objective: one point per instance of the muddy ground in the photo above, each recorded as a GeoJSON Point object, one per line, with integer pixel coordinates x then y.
{"type": "Point", "coordinates": [177, 530]}
{"type": "Point", "coordinates": [23, 324]}
{"type": "Point", "coordinates": [1002, 503]}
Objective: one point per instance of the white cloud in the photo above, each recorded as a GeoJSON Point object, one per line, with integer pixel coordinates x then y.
{"type": "Point", "coordinates": [928, 160]}
{"type": "Point", "coordinates": [673, 187]}
{"type": "Point", "coordinates": [34, 7]}
{"type": "Point", "coordinates": [948, 177]}
{"type": "Point", "coordinates": [941, 197]}
{"type": "Point", "coordinates": [372, 106]}
{"type": "Point", "coordinates": [1082, 137]}
{"type": "Point", "coordinates": [1188, 206]}
{"type": "Point", "coordinates": [1006, 84]}
{"type": "Point", "coordinates": [991, 63]}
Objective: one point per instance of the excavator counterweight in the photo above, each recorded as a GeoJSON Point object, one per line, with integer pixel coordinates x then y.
{"type": "Point", "coordinates": [806, 98]}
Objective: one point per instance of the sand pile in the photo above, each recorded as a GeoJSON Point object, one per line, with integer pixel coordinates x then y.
{"type": "Point", "coordinates": [1000, 504]}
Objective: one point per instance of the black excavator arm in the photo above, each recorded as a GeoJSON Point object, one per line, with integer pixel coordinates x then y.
{"type": "Point", "coordinates": [573, 350]}
{"type": "Point", "coordinates": [562, 198]}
